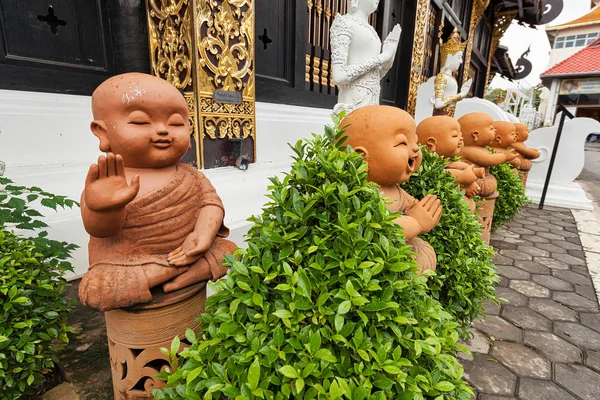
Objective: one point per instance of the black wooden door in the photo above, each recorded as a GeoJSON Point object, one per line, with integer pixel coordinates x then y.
{"type": "Point", "coordinates": [63, 46]}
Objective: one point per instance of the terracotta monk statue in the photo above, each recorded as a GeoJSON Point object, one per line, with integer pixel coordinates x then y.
{"type": "Point", "coordinates": [442, 91]}
{"type": "Point", "coordinates": [505, 137]}
{"type": "Point", "coordinates": [358, 61]}
{"type": "Point", "coordinates": [386, 137]}
{"type": "Point", "coordinates": [442, 135]}
{"type": "Point", "coordinates": [526, 154]}
{"type": "Point", "coordinates": [151, 220]}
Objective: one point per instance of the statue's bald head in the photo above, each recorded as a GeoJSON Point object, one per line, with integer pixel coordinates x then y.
{"type": "Point", "coordinates": [122, 90]}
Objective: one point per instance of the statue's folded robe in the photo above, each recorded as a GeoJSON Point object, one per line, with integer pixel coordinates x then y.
{"type": "Point", "coordinates": [155, 224]}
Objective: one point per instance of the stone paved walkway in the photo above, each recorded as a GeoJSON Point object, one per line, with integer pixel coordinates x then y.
{"type": "Point", "coordinates": [544, 343]}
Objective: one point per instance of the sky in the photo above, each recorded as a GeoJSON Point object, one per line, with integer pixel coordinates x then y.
{"type": "Point", "coordinates": [517, 38]}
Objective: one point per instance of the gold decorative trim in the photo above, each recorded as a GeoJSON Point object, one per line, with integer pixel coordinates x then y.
{"type": "Point", "coordinates": [190, 99]}
{"type": "Point", "coordinates": [170, 37]}
{"type": "Point", "coordinates": [477, 11]}
{"type": "Point", "coordinates": [503, 20]}
{"type": "Point", "coordinates": [416, 65]}
{"type": "Point", "coordinates": [224, 42]}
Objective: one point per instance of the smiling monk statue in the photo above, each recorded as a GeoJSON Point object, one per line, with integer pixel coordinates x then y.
{"type": "Point", "coordinates": [152, 221]}
{"type": "Point", "coordinates": [506, 136]}
{"type": "Point", "coordinates": [442, 135]}
{"type": "Point", "coordinates": [526, 154]}
{"type": "Point", "coordinates": [386, 137]}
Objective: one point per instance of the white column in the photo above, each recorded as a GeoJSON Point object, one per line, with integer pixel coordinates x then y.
{"type": "Point", "coordinates": [552, 100]}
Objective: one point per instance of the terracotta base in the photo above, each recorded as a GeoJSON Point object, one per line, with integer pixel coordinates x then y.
{"type": "Point", "coordinates": [136, 334]}
{"type": "Point", "coordinates": [486, 215]}
{"type": "Point", "coordinates": [487, 184]}
{"type": "Point", "coordinates": [524, 178]}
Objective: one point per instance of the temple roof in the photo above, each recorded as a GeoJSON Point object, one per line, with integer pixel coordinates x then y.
{"type": "Point", "coordinates": [593, 17]}
{"type": "Point", "coordinates": [585, 62]}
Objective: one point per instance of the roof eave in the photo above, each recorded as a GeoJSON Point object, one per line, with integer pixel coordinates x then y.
{"type": "Point", "coordinates": [571, 75]}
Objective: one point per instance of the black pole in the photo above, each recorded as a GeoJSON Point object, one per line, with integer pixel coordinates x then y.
{"type": "Point", "coordinates": [564, 114]}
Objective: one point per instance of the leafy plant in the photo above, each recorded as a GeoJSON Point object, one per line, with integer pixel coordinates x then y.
{"type": "Point", "coordinates": [33, 318]}
{"type": "Point", "coordinates": [465, 275]}
{"type": "Point", "coordinates": [511, 194]}
{"type": "Point", "coordinates": [325, 302]}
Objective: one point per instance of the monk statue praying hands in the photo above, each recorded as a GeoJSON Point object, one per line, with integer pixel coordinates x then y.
{"type": "Point", "coordinates": [151, 220]}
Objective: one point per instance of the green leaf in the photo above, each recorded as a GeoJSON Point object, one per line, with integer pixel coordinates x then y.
{"type": "Point", "coordinates": [288, 371]}
{"type": "Point", "coordinates": [444, 386]}
{"type": "Point", "coordinates": [254, 374]}
{"type": "Point", "coordinates": [175, 345]}
{"type": "Point", "coordinates": [344, 307]}
{"type": "Point", "coordinates": [282, 313]}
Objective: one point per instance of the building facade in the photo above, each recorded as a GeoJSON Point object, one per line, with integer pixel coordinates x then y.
{"type": "Point", "coordinates": [256, 75]}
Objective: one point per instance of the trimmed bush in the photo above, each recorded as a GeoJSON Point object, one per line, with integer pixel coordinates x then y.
{"type": "Point", "coordinates": [465, 275]}
{"type": "Point", "coordinates": [33, 318]}
{"type": "Point", "coordinates": [511, 194]}
{"type": "Point", "coordinates": [324, 304]}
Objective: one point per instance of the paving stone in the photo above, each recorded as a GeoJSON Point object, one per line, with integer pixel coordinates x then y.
{"type": "Point", "coordinates": [515, 240]}
{"type": "Point", "coordinates": [521, 360]}
{"type": "Point", "coordinates": [553, 347]}
{"type": "Point", "coordinates": [581, 336]}
{"type": "Point", "coordinates": [479, 343]}
{"type": "Point", "coordinates": [522, 231]}
{"type": "Point", "coordinates": [579, 380]}
{"type": "Point", "coordinates": [499, 259]}
{"type": "Point", "coordinates": [535, 389]}
{"type": "Point", "coordinates": [535, 239]}
{"type": "Point", "coordinates": [569, 232]}
{"type": "Point", "coordinates": [525, 318]}
{"type": "Point", "coordinates": [551, 248]}
{"type": "Point", "coordinates": [514, 298]}
{"type": "Point", "coordinates": [586, 291]}
{"type": "Point", "coordinates": [590, 320]}
{"type": "Point", "coordinates": [550, 235]}
{"type": "Point", "coordinates": [529, 289]}
{"type": "Point", "coordinates": [489, 376]}
{"type": "Point", "coordinates": [516, 255]}
{"type": "Point", "coordinates": [551, 227]}
{"type": "Point", "coordinates": [552, 310]}
{"type": "Point", "coordinates": [502, 245]}
{"type": "Point", "coordinates": [592, 360]}
{"type": "Point", "coordinates": [574, 240]}
{"type": "Point", "coordinates": [566, 245]}
{"type": "Point", "coordinates": [494, 397]}
{"type": "Point", "coordinates": [533, 251]}
{"type": "Point", "coordinates": [551, 263]}
{"type": "Point", "coordinates": [575, 301]}
{"type": "Point", "coordinates": [532, 267]}
{"type": "Point", "coordinates": [498, 328]}
{"type": "Point", "coordinates": [580, 270]}
{"type": "Point", "coordinates": [503, 282]}
{"type": "Point", "coordinates": [512, 272]}
{"type": "Point", "coordinates": [569, 259]}
{"type": "Point", "coordinates": [490, 308]}
{"type": "Point", "coordinates": [552, 282]}
{"type": "Point", "coordinates": [577, 253]}
{"type": "Point", "coordinates": [573, 277]}
{"type": "Point", "coordinates": [538, 228]}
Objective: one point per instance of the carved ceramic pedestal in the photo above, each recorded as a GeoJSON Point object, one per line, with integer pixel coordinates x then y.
{"type": "Point", "coordinates": [525, 167]}
{"type": "Point", "coordinates": [486, 215]}
{"type": "Point", "coordinates": [136, 334]}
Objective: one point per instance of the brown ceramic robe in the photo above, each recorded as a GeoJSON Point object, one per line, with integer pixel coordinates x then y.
{"type": "Point", "coordinates": [151, 220]}
{"type": "Point", "coordinates": [386, 138]}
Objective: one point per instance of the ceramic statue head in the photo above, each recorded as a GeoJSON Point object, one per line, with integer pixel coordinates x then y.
{"type": "Point", "coordinates": [366, 6]}
{"type": "Point", "coordinates": [142, 118]}
{"type": "Point", "coordinates": [506, 134]}
{"type": "Point", "coordinates": [441, 134]}
{"type": "Point", "coordinates": [386, 137]}
{"type": "Point", "coordinates": [522, 131]}
{"type": "Point", "coordinates": [451, 52]}
{"type": "Point", "coordinates": [477, 129]}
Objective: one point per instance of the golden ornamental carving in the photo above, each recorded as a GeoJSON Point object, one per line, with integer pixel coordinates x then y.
{"type": "Point", "coordinates": [170, 37]}
{"type": "Point", "coordinates": [477, 11]}
{"type": "Point", "coordinates": [225, 60]}
{"type": "Point", "coordinates": [416, 66]}
{"type": "Point", "coordinates": [503, 20]}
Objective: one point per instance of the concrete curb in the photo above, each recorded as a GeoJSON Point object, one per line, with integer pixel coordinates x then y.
{"type": "Point", "coordinates": [589, 234]}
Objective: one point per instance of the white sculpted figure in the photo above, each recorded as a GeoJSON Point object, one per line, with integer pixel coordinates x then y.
{"type": "Point", "coordinates": [439, 95]}
{"type": "Point", "coordinates": [358, 60]}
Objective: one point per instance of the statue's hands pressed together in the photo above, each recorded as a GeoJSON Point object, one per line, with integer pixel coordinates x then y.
{"type": "Point", "coordinates": [193, 248]}
{"type": "Point", "coordinates": [466, 88]}
{"type": "Point", "coordinates": [106, 186]}
{"type": "Point", "coordinates": [390, 46]}
{"type": "Point", "coordinates": [511, 154]}
{"type": "Point", "coordinates": [427, 212]}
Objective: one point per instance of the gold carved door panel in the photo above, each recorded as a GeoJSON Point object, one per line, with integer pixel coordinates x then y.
{"type": "Point", "coordinates": [206, 49]}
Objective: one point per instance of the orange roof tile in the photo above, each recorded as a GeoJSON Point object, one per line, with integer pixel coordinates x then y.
{"type": "Point", "coordinates": [593, 17]}
{"type": "Point", "coordinates": [586, 61]}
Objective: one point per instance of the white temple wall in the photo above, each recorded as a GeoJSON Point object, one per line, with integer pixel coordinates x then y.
{"type": "Point", "coordinates": [45, 141]}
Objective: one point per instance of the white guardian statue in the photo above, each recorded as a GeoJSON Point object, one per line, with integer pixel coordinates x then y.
{"type": "Point", "coordinates": [358, 60]}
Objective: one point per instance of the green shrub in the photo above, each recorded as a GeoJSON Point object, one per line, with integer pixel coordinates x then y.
{"type": "Point", "coordinates": [511, 194]}
{"type": "Point", "coordinates": [33, 318]}
{"type": "Point", "coordinates": [325, 302]}
{"type": "Point", "coordinates": [465, 275]}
